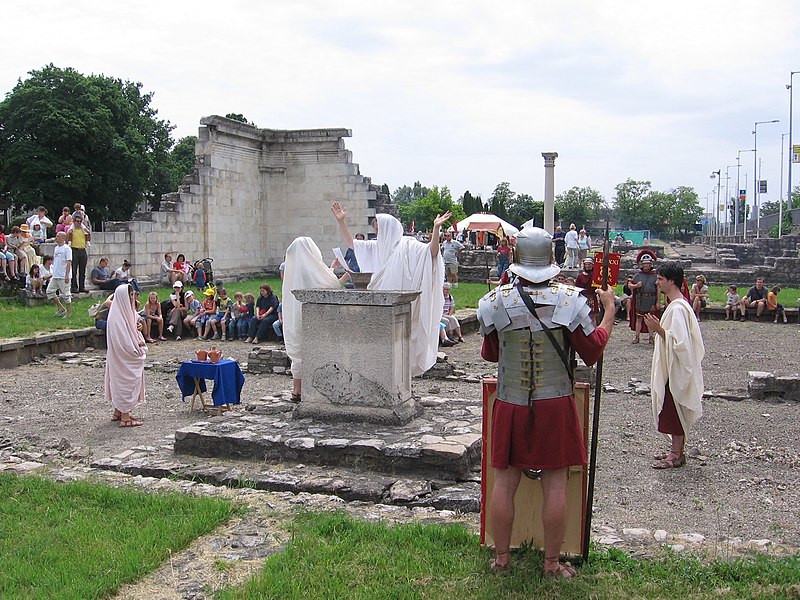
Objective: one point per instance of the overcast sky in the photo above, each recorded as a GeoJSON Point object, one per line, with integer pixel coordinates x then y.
{"type": "Point", "coordinates": [464, 94]}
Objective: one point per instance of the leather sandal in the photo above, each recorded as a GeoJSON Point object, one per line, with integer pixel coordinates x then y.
{"type": "Point", "coordinates": [672, 461]}
{"type": "Point", "coordinates": [563, 570]}
{"type": "Point", "coordinates": [296, 398]}
{"type": "Point", "coordinates": [497, 568]}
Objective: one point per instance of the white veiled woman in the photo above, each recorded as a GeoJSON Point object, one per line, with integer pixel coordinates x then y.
{"type": "Point", "coordinates": [305, 270]}
{"type": "Point", "coordinates": [124, 375]}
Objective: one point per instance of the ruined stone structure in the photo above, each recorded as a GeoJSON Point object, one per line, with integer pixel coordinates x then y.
{"type": "Point", "coordinates": [251, 193]}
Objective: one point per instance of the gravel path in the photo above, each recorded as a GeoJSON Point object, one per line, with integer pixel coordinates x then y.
{"type": "Point", "coordinates": [743, 480]}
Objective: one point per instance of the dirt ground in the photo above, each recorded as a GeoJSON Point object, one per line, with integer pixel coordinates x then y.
{"type": "Point", "coordinates": [742, 480]}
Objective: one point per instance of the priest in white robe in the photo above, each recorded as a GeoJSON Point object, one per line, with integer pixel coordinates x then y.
{"type": "Point", "coordinates": [399, 262]}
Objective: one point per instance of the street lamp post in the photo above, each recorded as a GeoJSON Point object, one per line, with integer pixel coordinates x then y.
{"type": "Point", "coordinates": [780, 198]}
{"type": "Point", "coordinates": [718, 175]}
{"type": "Point", "coordinates": [728, 199]}
{"type": "Point", "coordinates": [791, 147]}
{"type": "Point", "coordinates": [736, 207]}
{"type": "Point", "coordinates": [755, 172]}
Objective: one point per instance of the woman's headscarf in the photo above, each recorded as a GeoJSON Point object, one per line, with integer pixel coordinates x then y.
{"type": "Point", "coordinates": [124, 375]}
{"type": "Point", "coordinates": [305, 270]}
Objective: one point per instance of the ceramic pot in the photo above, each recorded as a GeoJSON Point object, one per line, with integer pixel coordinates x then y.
{"type": "Point", "coordinates": [202, 355]}
{"type": "Point", "coordinates": [214, 354]}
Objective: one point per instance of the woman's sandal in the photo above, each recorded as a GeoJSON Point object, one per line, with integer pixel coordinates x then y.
{"type": "Point", "coordinates": [116, 417]}
{"type": "Point", "coordinates": [497, 568]}
{"type": "Point", "coordinates": [671, 461]}
{"type": "Point", "coordinates": [563, 570]}
{"type": "Point", "coordinates": [130, 423]}
{"type": "Point", "coordinates": [296, 398]}
{"type": "Point", "coordinates": [635, 340]}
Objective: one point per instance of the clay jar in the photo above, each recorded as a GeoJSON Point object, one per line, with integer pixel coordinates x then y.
{"type": "Point", "coordinates": [214, 354]}
{"type": "Point", "coordinates": [202, 355]}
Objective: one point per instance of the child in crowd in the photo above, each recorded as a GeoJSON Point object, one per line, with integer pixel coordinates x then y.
{"type": "Point", "coordinates": [223, 316]}
{"type": "Point", "coordinates": [152, 315]}
{"type": "Point", "coordinates": [208, 321]}
{"type": "Point", "coordinates": [35, 285]}
{"type": "Point", "coordinates": [277, 326]}
{"type": "Point", "coordinates": [65, 220]}
{"type": "Point", "coordinates": [732, 302]}
{"type": "Point", "coordinates": [236, 309]}
{"type": "Point", "coordinates": [194, 310]}
{"type": "Point", "coordinates": [772, 304]}
{"type": "Point", "coordinates": [38, 234]}
{"type": "Point", "coordinates": [452, 326]}
{"type": "Point", "coordinates": [8, 259]}
{"type": "Point", "coordinates": [246, 316]}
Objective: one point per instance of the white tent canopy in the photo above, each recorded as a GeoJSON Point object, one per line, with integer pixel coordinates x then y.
{"type": "Point", "coordinates": [486, 222]}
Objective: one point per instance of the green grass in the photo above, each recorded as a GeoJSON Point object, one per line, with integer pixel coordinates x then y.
{"type": "Point", "coordinates": [333, 556]}
{"type": "Point", "coordinates": [84, 540]}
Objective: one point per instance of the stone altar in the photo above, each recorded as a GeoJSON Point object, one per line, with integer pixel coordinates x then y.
{"type": "Point", "coordinates": [356, 363]}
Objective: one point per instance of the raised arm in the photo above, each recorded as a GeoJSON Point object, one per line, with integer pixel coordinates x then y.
{"type": "Point", "coordinates": [340, 213]}
{"type": "Point", "coordinates": [437, 225]}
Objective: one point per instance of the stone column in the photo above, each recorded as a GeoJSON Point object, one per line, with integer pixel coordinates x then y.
{"type": "Point", "coordinates": [356, 356]}
{"type": "Point", "coordinates": [549, 190]}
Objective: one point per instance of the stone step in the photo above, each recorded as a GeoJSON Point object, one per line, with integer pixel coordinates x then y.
{"type": "Point", "coordinates": [443, 441]}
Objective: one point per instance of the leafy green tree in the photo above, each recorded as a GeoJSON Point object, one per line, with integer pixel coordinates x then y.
{"type": "Point", "coordinates": [631, 206]}
{"type": "Point", "coordinates": [405, 195]}
{"type": "Point", "coordinates": [770, 207]}
{"type": "Point", "coordinates": [424, 210]}
{"type": "Point", "coordinates": [744, 211]}
{"type": "Point", "coordinates": [67, 138]}
{"type": "Point", "coordinates": [471, 204]}
{"type": "Point", "coordinates": [684, 210]}
{"type": "Point", "coordinates": [522, 208]}
{"type": "Point", "coordinates": [580, 205]}
{"type": "Point", "coordinates": [501, 198]}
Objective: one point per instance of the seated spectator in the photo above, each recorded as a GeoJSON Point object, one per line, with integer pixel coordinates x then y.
{"type": "Point", "coordinates": [699, 295]}
{"type": "Point", "coordinates": [194, 310]}
{"type": "Point", "coordinates": [266, 315]}
{"type": "Point", "coordinates": [443, 339]}
{"type": "Point", "coordinates": [169, 274]}
{"type": "Point", "coordinates": [101, 277]}
{"type": "Point", "coordinates": [153, 316]}
{"type": "Point", "coordinates": [184, 267]}
{"type": "Point", "coordinates": [101, 318]}
{"type": "Point", "coordinates": [34, 283]}
{"type": "Point", "coordinates": [176, 310]}
{"type": "Point", "coordinates": [756, 297]}
{"type": "Point", "coordinates": [208, 320]}
{"type": "Point", "coordinates": [772, 304]}
{"type": "Point", "coordinates": [731, 302]}
{"type": "Point", "coordinates": [38, 237]}
{"type": "Point", "coordinates": [452, 326]}
{"type": "Point", "coordinates": [64, 220]}
{"type": "Point", "coordinates": [277, 326]}
{"type": "Point", "coordinates": [246, 316]}
{"type": "Point", "coordinates": [16, 243]}
{"type": "Point", "coordinates": [40, 217]}
{"type": "Point", "coordinates": [223, 317]}
{"type": "Point", "coordinates": [123, 273]}
{"type": "Point", "coordinates": [8, 259]}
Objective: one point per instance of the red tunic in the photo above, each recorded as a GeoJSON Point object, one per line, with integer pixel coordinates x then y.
{"type": "Point", "coordinates": [549, 437]}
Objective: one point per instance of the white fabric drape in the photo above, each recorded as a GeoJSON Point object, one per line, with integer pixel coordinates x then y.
{"type": "Point", "coordinates": [124, 374]}
{"type": "Point", "coordinates": [677, 358]}
{"type": "Point", "coordinates": [399, 262]}
{"type": "Point", "coordinates": [304, 270]}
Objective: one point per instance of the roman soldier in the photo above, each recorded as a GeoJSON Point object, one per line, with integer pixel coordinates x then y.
{"type": "Point", "coordinates": [645, 294]}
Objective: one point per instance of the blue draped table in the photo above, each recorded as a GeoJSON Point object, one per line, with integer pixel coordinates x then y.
{"type": "Point", "coordinates": [226, 375]}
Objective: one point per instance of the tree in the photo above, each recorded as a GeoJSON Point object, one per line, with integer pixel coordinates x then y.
{"type": "Point", "coordinates": [770, 207]}
{"type": "Point", "coordinates": [502, 196]}
{"type": "Point", "coordinates": [580, 205]}
{"type": "Point", "coordinates": [685, 210]}
{"type": "Point", "coordinates": [471, 204]}
{"type": "Point", "coordinates": [522, 208]}
{"type": "Point", "coordinates": [424, 210]}
{"type": "Point", "coordinates": [67, 138]}
{"type": "Point", "coordinates": [405, 195]}
{"type": "Point", "coordinates": [630, 205]}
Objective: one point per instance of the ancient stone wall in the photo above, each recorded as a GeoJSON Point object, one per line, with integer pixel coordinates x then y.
{"type": "Point", "coordinates": [251, 193]}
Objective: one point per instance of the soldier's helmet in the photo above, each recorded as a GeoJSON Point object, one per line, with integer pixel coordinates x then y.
{"type": "Point", "coordinates": [534, 256]}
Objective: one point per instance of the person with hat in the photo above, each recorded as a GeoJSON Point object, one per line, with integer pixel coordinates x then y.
{"type": "Point", "coordinates": [528, 328]}
{"type": "Point", "coordinates": [645, 294]}
{"type": "Point", "coordinates": [207, 323]}
{"type": "Point", "coordinates": [26, 245]}
{"type": "Point", "coordinates": [40, 217]}
{"type": "Point", "coordinates": [176, 310]}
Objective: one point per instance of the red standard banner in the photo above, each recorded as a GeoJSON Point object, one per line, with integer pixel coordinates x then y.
{"type": "Point", "coordinates": [613, 269]}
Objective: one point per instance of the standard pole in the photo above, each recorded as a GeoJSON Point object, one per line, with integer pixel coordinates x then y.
{"type": "Point", "coordinates": [791, 147]}
{"type": "Point", "coordinates": [780, 198]}
{"type": "Point", "coordinates": [736, 205]}
{"type": "Point", "coordinates": [755, 176]}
